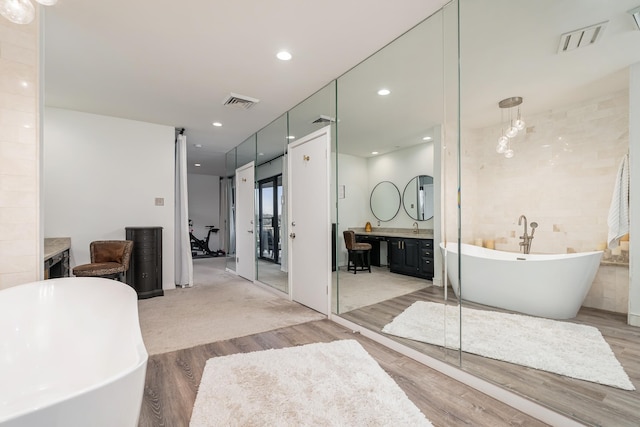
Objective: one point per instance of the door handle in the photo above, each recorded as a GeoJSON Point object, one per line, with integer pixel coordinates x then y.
{"type": "Point", "coordinates": [250, 231]}
{"type": "Point", "coordinates": [292, 235]}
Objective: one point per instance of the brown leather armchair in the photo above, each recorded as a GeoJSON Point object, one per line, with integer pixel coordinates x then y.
{"type": "Point", "coordinates": [109, 259]}
{"type": "Point", "coordinates": [359, 253]}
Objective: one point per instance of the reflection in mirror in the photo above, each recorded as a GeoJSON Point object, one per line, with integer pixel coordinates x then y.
{"type": "Point", "coordinates": [270, 205]}
{"type": "Point", "coordinates": [569, 117]}
{"type": "Point", "coordinates": [229, 197]}
{"type": "Point", "coordinates": [385, 201]}
{"type": "Point", "coordinates": [417, 198]}
{"type": "Point", "coordinates": [394, 138]}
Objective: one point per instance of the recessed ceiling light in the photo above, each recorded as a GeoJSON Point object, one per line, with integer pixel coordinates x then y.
{"type": "Point", "coordinates": [283, 55]}
{"type": "Point", "coordinates": [260, 154]}
{"type": "Point", "coordinates": [384, 92]}
{"type": "Point", "coordinates": [426, 138]}
{"type": "Point", "coordinates": [217, 124]}
{"type": "Point", "coordinates": [198, 145]}
{"type": "Point", "coordinates": [197, 165]}
{"type": "Point", "coordinates": [24, 84]}
{"type": "Point", "coordinates": [374, 152]}
{"type": "Point", "coordinates": [291, 137]}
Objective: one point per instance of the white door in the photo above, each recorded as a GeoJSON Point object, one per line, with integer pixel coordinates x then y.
{"type": "Point", "coordinates": [245, 240]}
{"type": "Point", "coordinates": [309, 220]}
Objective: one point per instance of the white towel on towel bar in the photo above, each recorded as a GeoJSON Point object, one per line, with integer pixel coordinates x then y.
{"type": "Point", "coordinates": [618, 220]}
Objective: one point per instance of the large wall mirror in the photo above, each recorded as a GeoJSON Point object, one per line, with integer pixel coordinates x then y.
{"type": "Point", "coordinates": [384, 142]}
{"type": "Point", "coordinates": [271, 191]}
{"type": "Point", "coordinates": [417, 198]}
{"type": "Point", "coordinates": [569, 116]}
{"type": "Point", "coordinates": [385, 201]}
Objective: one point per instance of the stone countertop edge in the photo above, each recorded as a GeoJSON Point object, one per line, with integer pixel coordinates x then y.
{"type": "Point", "coordinates": [54, 245]}
{"type": "Point", "coordinates": [395, 232]}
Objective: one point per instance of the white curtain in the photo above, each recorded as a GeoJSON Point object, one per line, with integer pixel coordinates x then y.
{"type": "Point", "coordinates": [183, 260]}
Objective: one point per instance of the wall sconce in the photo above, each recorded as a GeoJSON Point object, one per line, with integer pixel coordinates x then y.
{"type": "Point", "coordinates": [515, 125]}
{"type": "Point", "coordinates": [21, 11]}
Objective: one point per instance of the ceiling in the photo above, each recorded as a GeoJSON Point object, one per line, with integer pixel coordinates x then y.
{"type": "Point", "coordinates": [173, 63]}
{"type": "Point", "coordinates": [156, 62]}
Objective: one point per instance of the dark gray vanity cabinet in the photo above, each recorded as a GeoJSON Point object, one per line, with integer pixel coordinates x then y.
{"type": "Point", "coordinates": [145, 268]}
{"type": "Point", "coordinates": [413, 257]}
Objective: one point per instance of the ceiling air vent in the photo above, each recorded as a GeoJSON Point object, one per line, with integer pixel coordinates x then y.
{"type": "Point", "coordinates": [323, 119]}
{"type": "Point", "coordinates": [240, 101]}
{"type": "Point", "coordinates": [582, 37]}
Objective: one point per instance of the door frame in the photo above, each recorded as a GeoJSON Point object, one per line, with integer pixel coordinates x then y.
{"type": "Point", "coordinates": [327, 209]}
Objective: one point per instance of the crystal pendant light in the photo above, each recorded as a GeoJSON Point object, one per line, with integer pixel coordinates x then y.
{"type": "Point", "coordinates": [17, 11]}
{"type": "Point", "coordinates": [519, 123]}
{"type": "Point", "coordinates": [504, 146]}
{"type": "Point", "coordinates": [511, 132]}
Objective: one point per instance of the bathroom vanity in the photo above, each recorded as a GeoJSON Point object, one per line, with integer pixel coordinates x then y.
{"type": "Point", "coordinates": [406, 252]}
{"type": "Point", "coordinates": [56, 257]}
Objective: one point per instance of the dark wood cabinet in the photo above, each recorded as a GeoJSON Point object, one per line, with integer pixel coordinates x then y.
{"type": "Point", "coordinates": [145, 269]}
{"type": "Point", "coordinates": [374, 241]}
{"type": "Point", "coordinates": [413, 257]}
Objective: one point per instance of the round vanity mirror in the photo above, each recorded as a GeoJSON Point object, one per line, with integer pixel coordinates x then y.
{"type": "Point", "coordinates": [417, 198]}
{"type": "Point", "coordinates": [385, 201]}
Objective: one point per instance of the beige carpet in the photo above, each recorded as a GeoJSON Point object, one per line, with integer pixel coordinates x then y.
{"type": "Point", "coordinates": [364, 288]}
{"type": "Point", "coordinates": [322, 384]}
{"type": "Point", "coordinates": [219, 306]}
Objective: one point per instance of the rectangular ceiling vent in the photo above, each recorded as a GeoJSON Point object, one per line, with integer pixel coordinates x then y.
{"type": "Point", "coordinates": [240, 101]}
{"type": "Point", "coordinates": [323, 119]}
{"type": "Point", "coordinates": [582, 37]}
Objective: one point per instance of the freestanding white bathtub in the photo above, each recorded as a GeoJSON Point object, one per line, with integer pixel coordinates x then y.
{"type": "Point", "coordinates": [552, 286]}
{"type": "Point", "coordinates": [71, 354]}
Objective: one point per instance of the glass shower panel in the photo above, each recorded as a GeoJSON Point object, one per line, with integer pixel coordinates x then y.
{"type": "Point", "coordinates": [391, 122]}
{"type": "Point", "coordinates": [545, 188]}
{"type": "Point", "coordinates": [270, 245]}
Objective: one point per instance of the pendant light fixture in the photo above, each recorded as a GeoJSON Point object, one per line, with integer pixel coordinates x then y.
{"type": "Point", "coordinates": [515, 125]}
{"type": "Point", "coordinates": [21, 11]}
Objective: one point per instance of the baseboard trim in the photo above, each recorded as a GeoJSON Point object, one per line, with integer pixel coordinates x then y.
{"type": "Point", "coordinates": [518, 402]}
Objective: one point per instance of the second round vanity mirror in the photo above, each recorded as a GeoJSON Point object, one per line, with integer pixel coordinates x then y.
{"type": "Point", "coordinates": [417, 198]}
{"type": "Point", "coordinates": [385, 201]}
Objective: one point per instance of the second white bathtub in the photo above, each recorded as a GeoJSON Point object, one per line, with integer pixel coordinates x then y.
{"type": "Point", "coordinates": [71, 354]}
{"type": "Point", "coordinates": [552, 286]}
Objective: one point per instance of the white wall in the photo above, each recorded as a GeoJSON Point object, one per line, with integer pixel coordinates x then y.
{"type": "Point", "coordinates": [400, 167]}
{"type": "Point", "coordinates": [204, 207]}
{"type": "Point", "coordinates": [102, 174]}
{"type": "Point", "coordinates": [353, 209]}
{"type": "Point", "coordinates": [20, 231]}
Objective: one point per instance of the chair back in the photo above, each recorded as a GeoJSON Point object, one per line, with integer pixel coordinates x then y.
{"type": "Point", "coordinates": [111, 251]}
{"type": "Point", "coordinates": [349, 238]}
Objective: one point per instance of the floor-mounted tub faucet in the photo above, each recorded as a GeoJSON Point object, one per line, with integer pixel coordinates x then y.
{"type": "Point", "coordinates": [415, 227]}
{"type": "Point", "coordinates": [526, 238]}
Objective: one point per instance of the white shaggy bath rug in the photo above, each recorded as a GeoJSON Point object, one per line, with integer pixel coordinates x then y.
{"type": "Point", "coordinates": [564, 348]}
{"type": "Point", "coordinates": [325, 384]}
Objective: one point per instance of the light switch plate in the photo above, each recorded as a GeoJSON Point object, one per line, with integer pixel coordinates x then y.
{"type": "Point", "coordinates": [159, 201]}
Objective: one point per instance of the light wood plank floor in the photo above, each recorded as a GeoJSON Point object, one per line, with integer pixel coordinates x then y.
{"type": "Point", "coordinates": [172, 380]}
{"type": "Point", "coordinates": [589, 402]}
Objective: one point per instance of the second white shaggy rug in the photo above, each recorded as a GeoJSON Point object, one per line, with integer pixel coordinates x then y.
{"type": "Point", "coordinates": [565, 348]}
{"type": "Point", "coordinates": [323, 384]}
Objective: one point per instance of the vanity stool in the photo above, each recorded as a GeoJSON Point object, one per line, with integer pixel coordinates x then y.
{"type": "Point", "coordinates": [109, 259]}
{"type": "Point", "coordinates": [359, 253]}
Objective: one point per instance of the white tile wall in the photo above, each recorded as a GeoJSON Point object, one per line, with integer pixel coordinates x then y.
{"type": "Point", "coordinates": [562, 176]}
{"type": "Point", "coordinates": [19, 153]}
